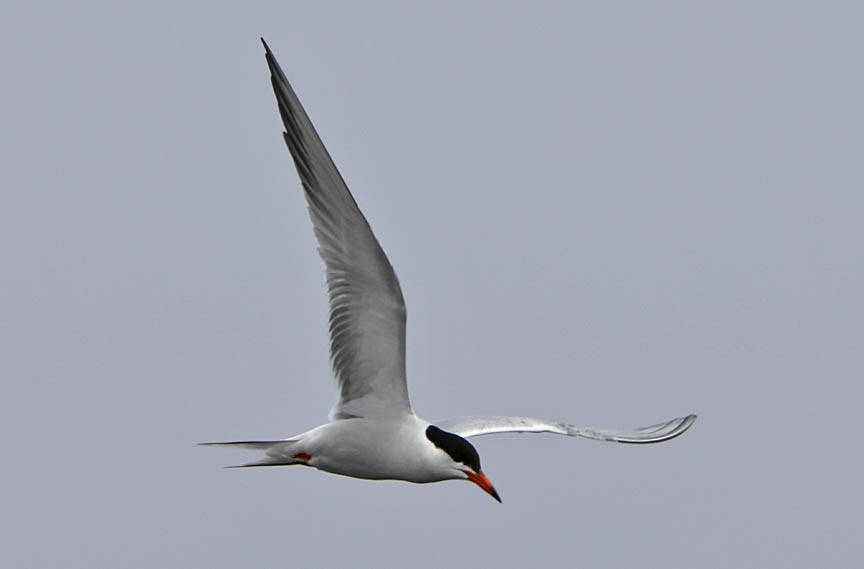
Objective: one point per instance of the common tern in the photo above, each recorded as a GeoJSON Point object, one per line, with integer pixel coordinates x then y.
{"type": "Point", "coordinates": [373, 432]}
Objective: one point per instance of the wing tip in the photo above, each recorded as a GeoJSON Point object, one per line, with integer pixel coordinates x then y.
{"type": "Point", "coordinates": [272, 64]}
{"type": "Point", "coordinates": [684, 423]}
{"type": "Point", "coordinates": [266, 47]}
{"type": "Point", "coordinates": [665, 431]}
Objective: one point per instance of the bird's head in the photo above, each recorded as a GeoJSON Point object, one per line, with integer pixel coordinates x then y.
{"type": "Point", "coordinates": [460, 458]}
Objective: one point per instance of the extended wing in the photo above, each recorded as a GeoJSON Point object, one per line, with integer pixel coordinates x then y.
{"type": "Point", "coordinates": [476, 426]}
{"type": "Point", "coordinates": [367, 312]}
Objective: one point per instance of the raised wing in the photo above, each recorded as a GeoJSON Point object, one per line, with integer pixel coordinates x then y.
{"type": "Point", "coordinates": [476, 426]}
{"type": "Point", "coordinates": [367, 311]}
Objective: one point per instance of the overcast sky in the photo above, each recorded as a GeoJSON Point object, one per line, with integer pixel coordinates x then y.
{"type": "Point", "coordinates": [605, 213]}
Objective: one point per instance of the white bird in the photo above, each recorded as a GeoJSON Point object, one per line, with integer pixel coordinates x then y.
{"type": "Point", "coordinates": [373, 432]}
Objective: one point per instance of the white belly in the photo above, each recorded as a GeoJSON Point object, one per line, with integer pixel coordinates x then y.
{"type": "Point", "coordinates": [374, 449]}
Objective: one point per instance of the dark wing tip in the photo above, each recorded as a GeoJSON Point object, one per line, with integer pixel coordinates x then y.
{"type": "Point", "coordinates": [277, 76]}
{"type": "Point", "coordinates": [665, 431]}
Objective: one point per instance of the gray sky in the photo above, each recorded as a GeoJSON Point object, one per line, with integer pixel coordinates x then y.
{"type": "Point", "coordinates": [607, 214]}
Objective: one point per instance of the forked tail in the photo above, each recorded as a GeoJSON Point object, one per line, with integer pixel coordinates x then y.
{"type": "Point", "coordinates": [277, 453]}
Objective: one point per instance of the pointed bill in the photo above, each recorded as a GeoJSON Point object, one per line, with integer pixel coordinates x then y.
{"type": "Point", "coordinates": [480, 480]}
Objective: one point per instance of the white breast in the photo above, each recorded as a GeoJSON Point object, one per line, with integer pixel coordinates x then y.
{"type": "Point", "coordinates": [375, 449]}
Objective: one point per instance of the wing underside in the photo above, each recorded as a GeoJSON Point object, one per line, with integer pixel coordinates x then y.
{"type": "Point", "coordinates": [367, 311]}
{"type": "Point", "coordinates": [476, 426]}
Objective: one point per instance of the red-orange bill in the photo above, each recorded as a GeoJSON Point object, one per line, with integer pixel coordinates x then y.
{"type": "Point", "coordinates": [480, 480]}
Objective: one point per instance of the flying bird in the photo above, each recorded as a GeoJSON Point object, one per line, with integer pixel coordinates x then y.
{"type": "Point", "coordinates": [373, 432]}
